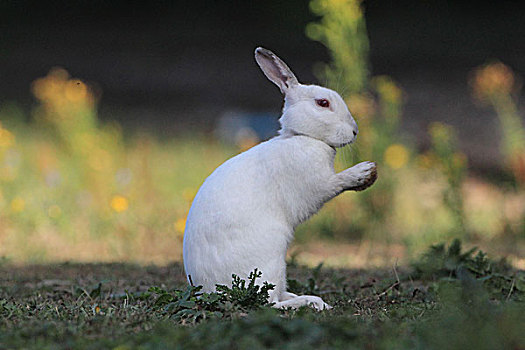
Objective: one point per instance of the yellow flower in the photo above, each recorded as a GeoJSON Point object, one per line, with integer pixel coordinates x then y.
{"type": "Point", "coordinates": [75, 91]}
{"type": "Point", "coordinates": [180, 225]}
{"type": "Point", "coordinates": [7, 139]}
{"type": "Point", "coordinates": [361, 106]}
{"type": "Point", "coordinates": [494, 78]}
{"type": "Point", "coordinates": [396, 156]}
{"type": "Point", "coordinates": [119, 203]}
{"type": "Point", "coordinates": [61, 95]}
{"type": "Point", "coordinates": [18, 205]}
{"type": "Point", "coordinates": [50, 87]}
{"type": "Point", "coordinates": [387, 89]}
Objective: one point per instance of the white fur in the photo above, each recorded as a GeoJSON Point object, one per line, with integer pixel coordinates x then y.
{"type": "Point", "coordinates": [245, 213]}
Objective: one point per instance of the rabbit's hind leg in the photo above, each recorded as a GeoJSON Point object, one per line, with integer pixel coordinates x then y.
{"type": "Point", "coordinates": [288, 296]}
{"type": "Point", "coordinates": [293, 301]}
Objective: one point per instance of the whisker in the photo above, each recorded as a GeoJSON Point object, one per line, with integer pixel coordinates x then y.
{"type": "Point", "coordinates": [343, 92]}
{"type": "Point", "coordinates": [346, 156]}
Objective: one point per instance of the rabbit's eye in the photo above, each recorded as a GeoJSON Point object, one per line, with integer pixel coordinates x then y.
{"type": "Point", "coordinates": [322, 102]}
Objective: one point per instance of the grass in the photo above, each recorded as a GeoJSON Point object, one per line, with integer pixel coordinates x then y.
{"type": "Point", "coordinates": [75, 188]}
{"type": "Point", "coordinates": [447, 299]}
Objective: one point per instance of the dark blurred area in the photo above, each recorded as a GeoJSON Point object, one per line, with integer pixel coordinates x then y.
{"type": "Point", "coordinates": [168, 66]}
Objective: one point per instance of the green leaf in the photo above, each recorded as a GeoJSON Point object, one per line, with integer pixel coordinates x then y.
{"type": "Point", "coordinates": [163, 299]}
{"type": "Point", "coordinates": [520, 283]}
{"type": "Point", "coordinates": [186, 304]}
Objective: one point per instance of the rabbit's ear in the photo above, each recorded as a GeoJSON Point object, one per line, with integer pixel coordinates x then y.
{"type": "Point", "coordinates": [275, 69]}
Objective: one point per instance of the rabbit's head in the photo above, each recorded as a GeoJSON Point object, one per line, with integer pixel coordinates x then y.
{"type": "Point", "coordinates": [309, 110]}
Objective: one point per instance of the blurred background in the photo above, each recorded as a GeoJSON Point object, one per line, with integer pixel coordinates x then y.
{"type": "Point", "coordinates": [113, 113]}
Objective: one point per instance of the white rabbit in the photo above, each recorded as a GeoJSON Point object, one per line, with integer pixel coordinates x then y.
{"type": "Point", "coordinates": [245, 213]}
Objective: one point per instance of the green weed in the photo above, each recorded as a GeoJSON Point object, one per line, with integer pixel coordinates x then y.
{"type": "Point", "coordinates": [190, 305]}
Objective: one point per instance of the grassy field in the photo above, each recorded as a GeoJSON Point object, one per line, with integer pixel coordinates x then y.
{"type": "Point", "coordinates": [448, 298]}
{"type": "Point", "coordinates": [115, 202]}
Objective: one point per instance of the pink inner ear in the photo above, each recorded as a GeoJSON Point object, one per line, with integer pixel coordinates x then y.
{"type": "Point", "coordinates": [283, 77]}
{"type": "Point", "coordinates": [275, 69]}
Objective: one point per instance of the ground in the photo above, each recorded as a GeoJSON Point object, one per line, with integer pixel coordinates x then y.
{"type": "Point", "coordinates": [456, 304]}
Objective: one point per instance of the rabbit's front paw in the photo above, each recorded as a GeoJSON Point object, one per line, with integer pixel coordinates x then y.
{"type": "Point", "coordinates": [364, 175]}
